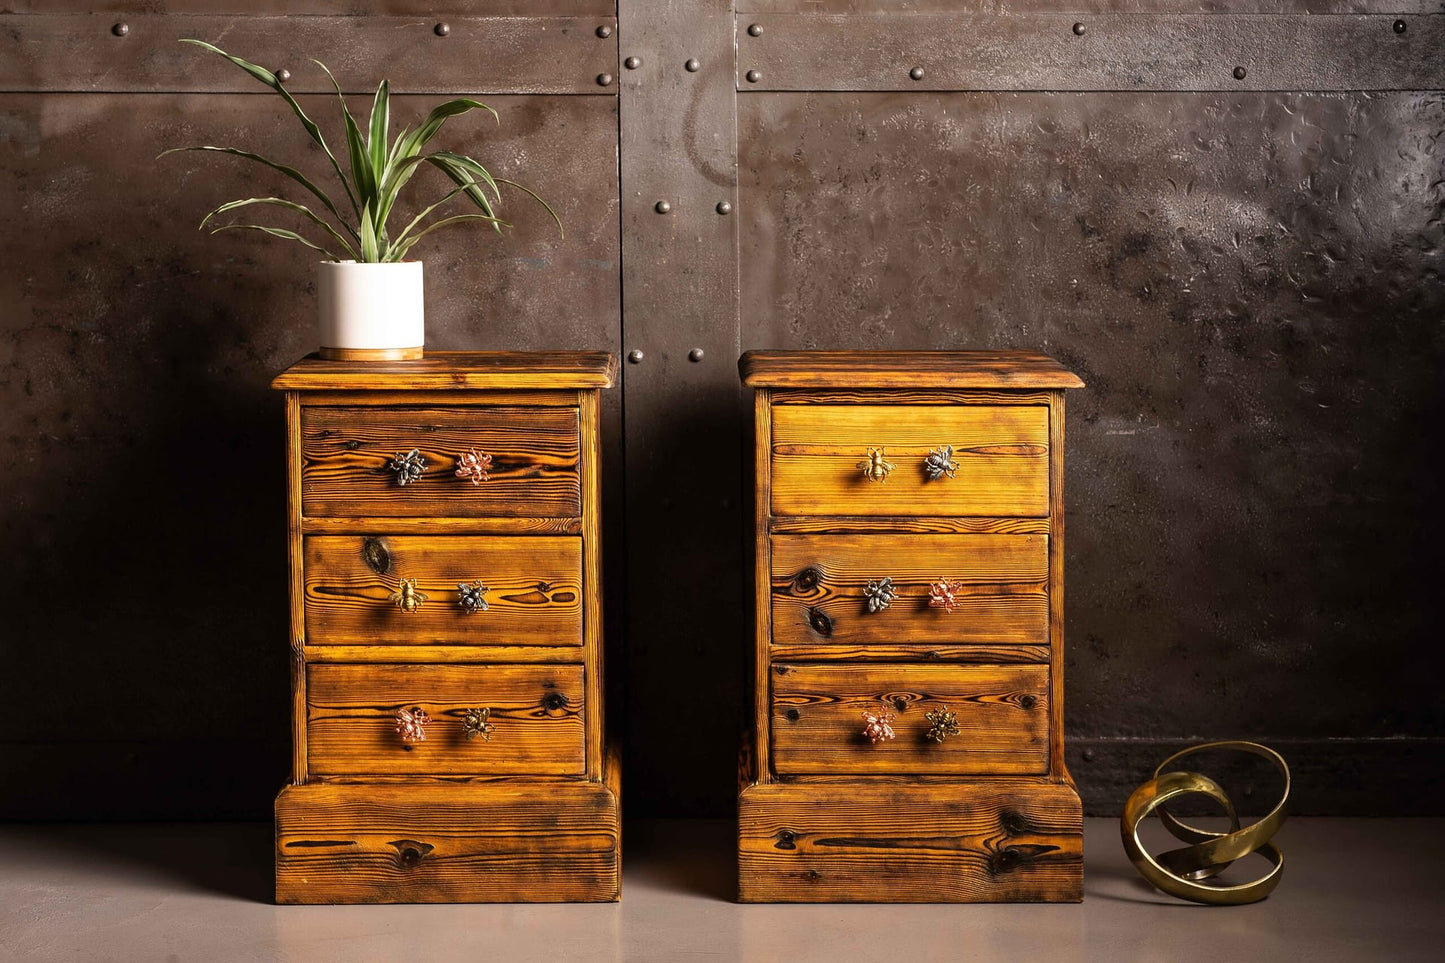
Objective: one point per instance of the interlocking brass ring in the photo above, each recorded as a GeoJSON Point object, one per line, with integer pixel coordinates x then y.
{"type": "Point", "coordinates": [1181, 872]}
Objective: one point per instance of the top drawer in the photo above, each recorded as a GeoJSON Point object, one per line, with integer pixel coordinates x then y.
{"type": "Point", "coordinates": [347, 454]}
{"type": "Point", "coordinates": [1001, 454]}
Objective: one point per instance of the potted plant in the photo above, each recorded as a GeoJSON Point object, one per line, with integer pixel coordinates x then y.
{"type": "Point", "coordinates": [369, 294]}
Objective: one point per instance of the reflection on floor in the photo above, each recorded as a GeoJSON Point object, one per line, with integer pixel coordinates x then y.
{"type": "Point", "coordinates": [1353, 889]}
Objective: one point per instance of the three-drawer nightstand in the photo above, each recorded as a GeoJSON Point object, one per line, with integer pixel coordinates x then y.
{"type": "Point", "coordinates": [446, 632]}
{"type": "Point", "coordinates": [907, 740]}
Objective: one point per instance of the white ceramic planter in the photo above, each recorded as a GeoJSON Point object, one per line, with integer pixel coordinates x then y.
{"type": "Point", "coordinates": [370, 312]}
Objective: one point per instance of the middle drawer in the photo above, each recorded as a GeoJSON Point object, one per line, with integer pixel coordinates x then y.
{"type": "Point", "coordinates": [408, 590]}
{"type": "Point", "coordinates": [898, 589]}
{"type": "Point", "coordinates": [535, 713]}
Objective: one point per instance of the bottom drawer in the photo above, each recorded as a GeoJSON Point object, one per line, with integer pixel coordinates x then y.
{"type": "Point", "coordinates": [1001, 713]}
{"type": "Point", "coordinates": [535, 713]}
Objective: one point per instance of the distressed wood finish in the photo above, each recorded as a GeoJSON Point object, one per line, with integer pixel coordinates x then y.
{"type": "Point", "coordinates": [537, 710]}
{"type": "Point", "coordinates": [988, 814]}
{"type": "Point", "coordinates": [1002, 453]}
{"type": "Point", "coordinates": [531, 814]}
{"type": "Point", "coordinates": [430, 843]}
{"type": "Point", "coordinates": [534, 592]}
{"type": "Point", "coordinates": [985, 840]}
{"type": "Point", "coordinates": [847, 370]}
{"type": "Point", "coordinates": [819, 588]}
{"type": "Point", "coordinates": [346, 452]}
{"type": "Point", "coordinates": [817, 718]}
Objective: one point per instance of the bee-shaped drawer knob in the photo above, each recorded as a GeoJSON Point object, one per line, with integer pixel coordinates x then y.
{"type": "Point", "coordinates": [940, 463]}
{"type": "Point", "coordinates": [407, 596]}
{"type": "Point", "coordinates": [411, 724]}
{"type": "Point", "coordinates": [876, 466]}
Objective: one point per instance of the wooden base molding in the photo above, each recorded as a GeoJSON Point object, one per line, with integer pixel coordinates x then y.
{"type": "Point", "coordinates": [411, 843]}
{"type": "Point", "coordinates": [371, 354]}
{"type": "Point", "coordinates": [993, 841]}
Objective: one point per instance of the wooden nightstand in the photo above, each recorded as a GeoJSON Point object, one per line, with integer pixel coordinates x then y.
{"type": "Point", "coordinates": [446, 632]}
{"type": "Point", "coordinates": [907, 739]}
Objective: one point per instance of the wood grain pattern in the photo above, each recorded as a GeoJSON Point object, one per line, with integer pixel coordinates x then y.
{"type": "Point", "coordinates": [538, 712]}
{"type": "Point", "coordinates": [1057, 766]}
{"type": "Point", "coordinates": [817, 718]}
{"type": "Point", "coordinates": [495, 525]}
{"type": "Point", "coordinates": [296, 591]}
{"type": "Point", "coordinates": [535, 590]}
{"type": "Point", "coordinates": [1006, 840]}
{"type": "Point", "coordinates": [497, 654]}
{"type": "Point", "coordinates": [906, 396]}
{"type": "Point", "coordinates": [591, 483]}
{"type": "Point", "coordinates": [517, 398]}
{"type": "Point", "coordinates": [904, 369]}
{"type": "Point", "coordinates": [346, 452]}
{"type": "Point", "coordinates": [762, 579]}
{"type": "Point", "coordinates": [420, 843]}
{"type": "Point", "coordinates": [1002, 455]}
{"type": "Point", "coordinates": [974, 652]}
{"type": "Point", "coordinates": [819, 587]}
{"type": "Point", "coordinates": [916, 524]}
{"type": "Point", "coordinates": [452, 370]}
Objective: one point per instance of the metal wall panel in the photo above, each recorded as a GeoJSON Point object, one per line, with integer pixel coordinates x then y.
{"type": "Point", "coordinates": [1115, 52]}
{"type": "Point", "coordinates": [524, 55]}
{"type": "Point", "coordinates": [685, 610]}
{"type": "Point", "coordinates": [1249, 284]}
{"type": "Point", "coordinates": [143, 518]}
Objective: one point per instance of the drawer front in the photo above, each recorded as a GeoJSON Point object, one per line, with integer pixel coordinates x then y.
{"type": "Point", "coordinates": [347, 454]}
{"type": "Point", "coordinates": [998, 585]}
{"type": "Point", "coordinates": [1001, 454]}
{"type": "Point", "coordinates": [357, 589]}
{"type": "Point", "coordinates": [1002, 714]}
{"type": "Point", "coordinates": [536, 713]}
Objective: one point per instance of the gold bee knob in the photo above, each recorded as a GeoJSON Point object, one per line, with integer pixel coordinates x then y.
{"type": "Point", "coordinates": [876, 466]}
{"type": "Point", "coordinates": [407, 597]}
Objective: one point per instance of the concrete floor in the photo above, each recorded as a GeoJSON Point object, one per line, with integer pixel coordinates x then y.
{"type": "Point", "coordinates": [1352, 890]}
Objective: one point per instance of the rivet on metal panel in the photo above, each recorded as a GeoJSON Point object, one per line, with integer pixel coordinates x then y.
{"type": "Point", "coordinates": [283, 75]}
{"type": "Point", "coordinates": [1088, 755]}
{"type": "Point", "coordinates": [662, 207]}
{"type": "Point", "coordinates": [442, 29]}
{"type": "Point", "coordinates": [604, 31]}
{"type": "Point", "coordinates": [1079, 29]}
{"type": "Point", "coordinates": [916, 73]}
{"type": "Point", "coordinates": [754, 76]}
{"type": "Point", "coordinates": [632, 63]}
{"type": "Point", "coordinates": [695, 354]}
{"type": "Point", "coordinates": [604, 80]}
{"type": "Point", "coordinates": [755, 30]}
{"type": "Point", "coordinates": [120, 29]}
{"type": "Point", "coordinates": [1400, 26]}
{"type": "Point", "coordinates": [634, 356]}
{"type": "Point", "coordinates": [1240, 73]}
{"type": "Point", "coordinates": [692, 65]}
{"type": "Point", "coordinates": [724, 207]}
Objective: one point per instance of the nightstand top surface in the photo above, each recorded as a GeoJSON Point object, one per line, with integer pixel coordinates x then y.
{"type": "Point", "coordinates": [904, 369]}
{"type": "Point", "coordinates": [480, 370]}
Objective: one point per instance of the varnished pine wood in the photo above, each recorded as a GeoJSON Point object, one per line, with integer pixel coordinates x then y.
{"type": "Point", "coordinates": [295, 568]}
{"type": "Point", "coordinates": [591, 479]}
{"type": "Point", "coordinates": [535, 590]}
{"type": "Point", "coordinates": [1018, 839]}
{"type": "Point", "coordinates": [441, 399]}
{"type": "Point", "coordinates": [351, 719]}
{"type": "Point", "coordinates": [917, 525]}
{"type": "Point", "coordinates": [533, 815]}
{"type": "Point", "coordinates": [428, 843]}
{"type": "Point", "coordinates": [1001, 452]}
{"type": "Point", "coordinates": [445, 370]}
{"type": "Point", "coordinates": [906, 396]}
{"type": "Point", "coordinates": [976, 652]}
{"type": "Point", "coordinates": [823, 817]}
{"type": "Point", "coordinates": [1057, 766]}
{"type": "Point", "coordinates": [494, 525]}
{"type": "Point", "coordinates": [346, 452]}
{"type": "Point", "coordinates": [904, 369]}
{"type": "Point", "coordinates": [762, 580]}
{"type": "Point", "coordinates": [817, 718]}
{"type": "Point", "coordinates": [819, 588]}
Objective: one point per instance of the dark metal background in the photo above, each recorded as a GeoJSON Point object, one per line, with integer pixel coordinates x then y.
{"type": "Point", "coordinates": [1249, 279]}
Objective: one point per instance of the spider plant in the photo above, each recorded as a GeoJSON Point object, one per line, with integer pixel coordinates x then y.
{"type": "Point", "coordinates": [373, 178]}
